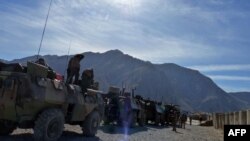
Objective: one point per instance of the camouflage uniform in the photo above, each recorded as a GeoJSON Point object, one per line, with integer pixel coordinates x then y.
{"type": "Point", "coordinates": [174, 120]}
{"type": "Point", "coordinates": [87, 80]}
{"type": "Point", "coordinates": [74, 68]}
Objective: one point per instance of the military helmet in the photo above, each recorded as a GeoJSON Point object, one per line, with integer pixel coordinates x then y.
{"type": "Point", "coordinates": [80, 56]}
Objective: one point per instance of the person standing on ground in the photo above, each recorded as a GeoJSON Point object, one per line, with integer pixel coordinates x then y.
{"type": "Point", "coordinates": [200, 118]}
{"type": "Point", "coordinates": [174, 120]}
{"type": "Point", "coordinates": [74, 68]}
{"type": "Point", "coordinates": [190, 119]}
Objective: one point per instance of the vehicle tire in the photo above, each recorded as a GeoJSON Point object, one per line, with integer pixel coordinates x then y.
{"type": "Point", "coordinates": [49, 125]}
{"type": "Point", "coordinates": [6, 127]}
{"type": "Point", "coordinates": [91, 124]}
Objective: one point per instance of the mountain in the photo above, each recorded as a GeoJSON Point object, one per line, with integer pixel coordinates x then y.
{"type": "Point", "coordinates": [1, 60]}
{"type": "Point", "coordinates": [244, 97]}
{"type": "Point", "coordinates": [167, 82]}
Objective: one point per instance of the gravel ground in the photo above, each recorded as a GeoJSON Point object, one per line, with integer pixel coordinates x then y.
{"type": "Point", "coordinates": [113, 133]}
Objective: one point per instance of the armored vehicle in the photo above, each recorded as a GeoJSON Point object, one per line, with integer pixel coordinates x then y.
{"type": "Point", "coordinates": [132, 110]}
{"type": "Point", "coordinates": [29, 99]}
{"type": "Point", "coordinates": [154, 112]}
{"type": "Point", "coordinates": [111, 104]}
{"type": "Point", "coordinates": [123, 109]}
{"type": "Point", "coordinates": [169, 113]}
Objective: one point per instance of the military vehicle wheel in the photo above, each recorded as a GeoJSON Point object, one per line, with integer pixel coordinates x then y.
{"type": "Point", "coordinates": [49, 125]}
{"type": "Point", "coordinates": [91, 124]}
{"type": "Point", "coordinates": [6, 127]}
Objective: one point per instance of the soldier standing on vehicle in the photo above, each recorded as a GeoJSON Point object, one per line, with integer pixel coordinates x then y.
{"type": "Point", "coordinates": [74, 68]}
{"type": "Point", "coordinates": [51, 72]}
{"type": "Point", "coordinates": [87, 80]}
{"type": "Point", "coordinates": [42, 62]}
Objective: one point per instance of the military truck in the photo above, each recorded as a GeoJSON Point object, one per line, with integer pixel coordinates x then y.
{"type": "Point", "coordinates": [170, 109]}
{"type": "Point", "coordinates": [132, 111]}
{"type": "Point", "coordinates": [29, 99]}
{"type": "Point", "coordinates": [123, 109]}
{"type": "Point", "coordinates": [154, 112]}
{"type": "Point", "coordinates": [111, 105]}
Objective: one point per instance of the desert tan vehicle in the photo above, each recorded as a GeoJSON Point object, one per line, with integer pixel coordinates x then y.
{"type": "Point", "coordinates": [122, 108]}
{"type": "Point", "coordinates": [29, 99]}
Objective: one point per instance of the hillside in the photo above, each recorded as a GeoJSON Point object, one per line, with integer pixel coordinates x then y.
{"type": "Point", "coordinates": [167, 82]}
{"type": "Point", "coordinates": [244, 97]}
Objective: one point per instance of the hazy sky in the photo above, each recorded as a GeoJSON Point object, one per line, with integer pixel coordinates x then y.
{"type": "Point", "coordinates": [212, 36]}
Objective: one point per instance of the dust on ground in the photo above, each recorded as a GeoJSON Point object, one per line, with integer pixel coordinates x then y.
{"type": "Point", "coordinates": [115, 133]}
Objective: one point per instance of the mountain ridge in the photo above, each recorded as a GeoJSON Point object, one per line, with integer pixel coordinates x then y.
{"type": "Point", "coordinates": [168, 82]}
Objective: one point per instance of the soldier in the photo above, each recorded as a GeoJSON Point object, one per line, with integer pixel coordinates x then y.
{"type": "Point", "coordinates": [87, 80]}
{"type": "Point", "coordinates": [183, 120]}
{"type": "Point", "coordinates": [74, 68]}
{"type": "Point", "coordinates": [51, 72]}
{"type": "Point", "coordinates": [174, 120]}
{"type": "Point", "coordinates": [190, 119]}
{"type": "Point", "coordinates": [200, 118]}
{"type": "Point", "coordinates": [42, 62]}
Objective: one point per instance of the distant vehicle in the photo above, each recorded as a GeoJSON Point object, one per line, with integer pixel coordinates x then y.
{"type": "Point", "coordinates": [170, 109]}
{"type": "Point", "coordinates": [123, 109]}
{"type": "Point", "coordinates": [29, 99]}
{"type": "Point", "coordinates": [154, 112]}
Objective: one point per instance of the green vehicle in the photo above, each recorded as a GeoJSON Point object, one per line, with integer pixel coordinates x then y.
{"type": "Point", "coordinates": [29, 99]}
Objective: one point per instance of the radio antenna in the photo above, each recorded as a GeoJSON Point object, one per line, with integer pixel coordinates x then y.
{"type": "Point", "coordinates": [67, 58]}
{"type": "Point", "coordinates": [44, 29]}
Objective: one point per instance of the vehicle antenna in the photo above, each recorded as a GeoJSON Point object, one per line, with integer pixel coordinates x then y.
{"type": "Point", "coordinates": [44, 29]}
{"type": "Point", "coordinates": [67, 59]}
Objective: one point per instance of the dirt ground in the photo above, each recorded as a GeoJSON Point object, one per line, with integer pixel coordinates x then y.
{"type": "Point", "coordinates": [114, 133]}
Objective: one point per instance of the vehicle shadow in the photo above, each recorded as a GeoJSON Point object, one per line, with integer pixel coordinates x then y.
{"type": "Point", "coordinates": [111, 129]}
{"type": "Point", "coordinates": [19, 137]}
{"type": "Point", "coordinates": [67, 136]}
{"type": "Point", "coordinates": [73, 136]}
{"type": "Point", "coordinates": [158, 127]}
